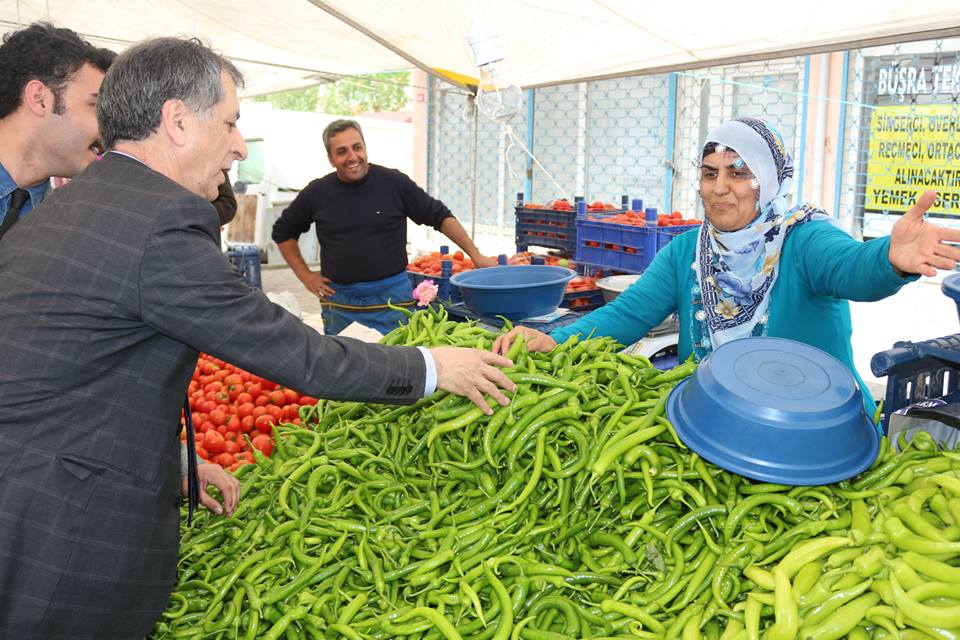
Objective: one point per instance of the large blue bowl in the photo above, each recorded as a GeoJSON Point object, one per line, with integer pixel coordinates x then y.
{"type": "Point", "coordinates": [951, 288]}
{"type": "Point", "coordinates": [775, 410]}
{"type": "Point", "coordinates": [515, 292]}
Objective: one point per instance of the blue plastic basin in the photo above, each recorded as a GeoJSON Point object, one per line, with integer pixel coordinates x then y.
{"type": "Point", "coordinates": [515, 291]}
{"type": "Point", "coordinates": [951, 288]}
{"type": "Point", "coordinates": [775, 410]}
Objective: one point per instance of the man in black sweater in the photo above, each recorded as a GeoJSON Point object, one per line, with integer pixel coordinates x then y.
{"type": "Point", "coordinates": [361, 212]}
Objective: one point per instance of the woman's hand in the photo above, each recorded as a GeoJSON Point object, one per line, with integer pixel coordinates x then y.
{"type": "Point", "coordinates": [918, 246]}
{"type": "Point", "coordinates": [536, 340]}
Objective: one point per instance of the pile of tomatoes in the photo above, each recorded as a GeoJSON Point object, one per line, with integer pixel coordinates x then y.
{"type": "Point", "coordinates": [234, 410]}
{"type": "Point", "coordinates": [639, 219]}
{"type": "Point", "coordinates": [562, 204]}
{"type": "Point", "coordinates": [431, 264]}
{"type": "Point", "coordinates": [674, 219]}
{"type": "Point", "coordinates": [526, 257]}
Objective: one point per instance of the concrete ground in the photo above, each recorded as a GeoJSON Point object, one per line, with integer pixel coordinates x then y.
{"type": "Point", "coordinates": [918, 312]}
{"type": "Point", "coordinates": [277, 279]}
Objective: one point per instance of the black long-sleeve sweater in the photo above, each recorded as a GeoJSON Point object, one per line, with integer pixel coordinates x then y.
{"type": "Point", "coordinates": [362, 225]}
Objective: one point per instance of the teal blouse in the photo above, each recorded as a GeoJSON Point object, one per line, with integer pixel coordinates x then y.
{"type": "Point", "coordinates": [821, 268]}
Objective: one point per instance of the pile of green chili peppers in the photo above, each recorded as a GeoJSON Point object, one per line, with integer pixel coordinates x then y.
{"type": "Point", "coordinates": [574, 512]}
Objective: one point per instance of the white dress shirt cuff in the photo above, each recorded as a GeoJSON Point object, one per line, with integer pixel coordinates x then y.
{"type": "Point", "coordinates": [430, 383]}
{"type": "Point", "coordinates": [183, 459]}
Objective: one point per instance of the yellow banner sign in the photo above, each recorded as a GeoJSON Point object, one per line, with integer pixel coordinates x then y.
{"type": "Point", "coordinates": [914, 148]}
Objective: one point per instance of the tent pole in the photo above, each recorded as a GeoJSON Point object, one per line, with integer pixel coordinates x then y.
{"type": "Point", "coordinates": [384, 42]}
{"type": "Point", "coordinates": [474, 144]}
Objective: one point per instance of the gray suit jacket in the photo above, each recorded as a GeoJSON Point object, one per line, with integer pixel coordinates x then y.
{"type": "Point", "coordinates": [107, 294]}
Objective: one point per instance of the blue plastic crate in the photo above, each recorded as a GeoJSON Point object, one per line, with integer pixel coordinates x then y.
{"type": "Point", "coordinates": [610, 245]}
{"type": "Point", "coordinates": [446, 292]}
{"type": "Point", "coordinates": [918, 371]}
{"type": "Point", "coordinates": [666, 234]}
{"type": "Point", "coordinates": [246, 258]}
{"type": "Point", "coordinates": [593, 298]}
{"type": "Point", "coordinates": [548, 228]}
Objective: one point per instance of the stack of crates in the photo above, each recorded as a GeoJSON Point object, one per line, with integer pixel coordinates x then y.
{"type": "Point", "coordinates": [918, 371]}
{"type": "Point", "coordinates": [586, 300]}
{"type": "Point", "coordinates": [246, 259]}
{"type": "Point", "coordinates": [447, 293]}
{"type": "Point", "coordinates": [921, 370]}
{"type": "Point", "coordinates": [548, 228]}
{"type": "Point", "coordinates": [608, 245]}
{"type": "Point", "coordinates": [581, 300]}
{"type": "Point", "coordinates": [666, 234]}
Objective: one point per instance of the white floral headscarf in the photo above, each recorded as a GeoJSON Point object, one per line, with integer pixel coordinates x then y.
{"type": "Point", "coordinates": [737, 269]}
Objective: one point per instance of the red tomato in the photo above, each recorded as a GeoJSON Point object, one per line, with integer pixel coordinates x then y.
{"type": "Point", "coordinates": [202, 452]}
{"type": "Point", "coordinates": [245, 409]}
{"type": "Point", "coordinates": [277, 397]}
{"type": "Point", "coordinates": [261, 400]}
{"type": "Point", "coordinates": [206, 425]}
{"type": "Point", "coordinates": [244, 398]}
{"type": "Point", "coordinates": [306, 400]}
{"type": "Point", "coordinates": [233, 380]}
{"type": "Point", "coordinates": [223, 459]}
{"type": "Point", "coordinates": [291, 412]}
{"type": "Point", "coordinates": [264, 444]}
{"type": "Point", "coordinates": [233, 424]}
{"type": "Point", "coordinates": [213, 442]}
{"type": "Point", "coordinates": [218, 417]}
{"type": "Point", "coordinates": [246, 424]}
{"type": "Point", "coordinates": [213, 387]}
{"type": "Point", "coordinates": [258, 411]}
{"type": "Point", "coordinates": [232, 447]}
{"type": "Point", "coordinates": [245, 457]}
{"type": "Point", "coordinates": [290, 396]}
{"type": "Point", "coordinates": [207, 406]}
{"type": "Point", "coordinates": [275, 412]}
{"type": "Point", "coordinates": [255, 389]}
{"type": "Point", "coordinates": [264, 424]}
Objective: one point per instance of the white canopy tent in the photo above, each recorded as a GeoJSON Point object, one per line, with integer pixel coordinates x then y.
{"type": "Point", "coordinates": [284, 44]}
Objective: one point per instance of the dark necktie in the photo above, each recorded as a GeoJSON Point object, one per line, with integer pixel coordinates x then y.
{"type": "Point", "coordinates": [17, 200]}
{"type": "Point", "coordinates": [193, 478]}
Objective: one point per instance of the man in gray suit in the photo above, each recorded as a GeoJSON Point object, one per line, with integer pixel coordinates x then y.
{"type": "Point", "coordinates": [107, 293]}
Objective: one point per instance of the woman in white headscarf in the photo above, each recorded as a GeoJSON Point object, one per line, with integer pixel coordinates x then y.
{"type": "Point", "coordinates": [758, 266]}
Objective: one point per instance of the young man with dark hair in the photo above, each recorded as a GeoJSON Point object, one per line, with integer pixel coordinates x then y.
{"type": "Point", "coordinates": [49, 81]}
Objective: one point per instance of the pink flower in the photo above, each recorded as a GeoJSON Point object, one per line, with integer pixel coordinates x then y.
{"type": "Point", "coordinates": [425, 292]}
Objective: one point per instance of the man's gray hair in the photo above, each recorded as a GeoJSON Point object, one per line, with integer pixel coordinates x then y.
{"type": "Point", "coordinates": [148, 74]}
{"type": "Point", "coordinates": [339, 126]}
